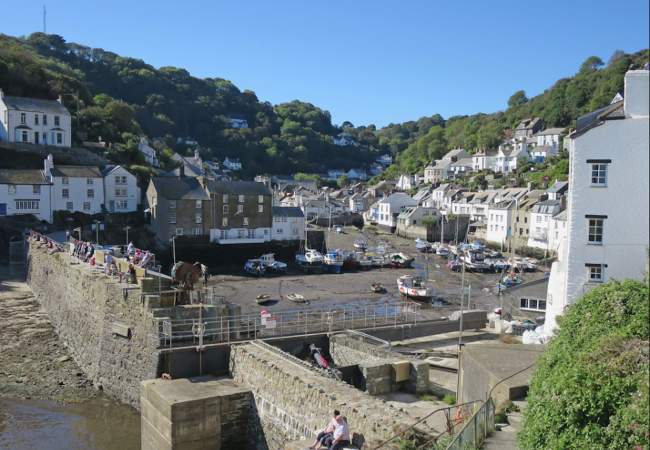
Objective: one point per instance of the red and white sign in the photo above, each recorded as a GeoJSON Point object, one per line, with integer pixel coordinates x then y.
{"type": "Point", "coordinates": [270, 322]}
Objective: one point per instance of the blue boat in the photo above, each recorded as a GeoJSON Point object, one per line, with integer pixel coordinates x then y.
{"type": "Point", "coordinates": [422, 245]}
{"type": "Point", "coordinates": [509, 281]}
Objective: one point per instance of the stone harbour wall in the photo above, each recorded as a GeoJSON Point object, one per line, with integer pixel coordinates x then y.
{"type": "Point", "coordinates": [292, 402]}
{"type": "Point", "coordinates": [104, 327]}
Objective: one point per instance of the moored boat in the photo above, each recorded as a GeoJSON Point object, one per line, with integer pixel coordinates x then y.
{"type": "Point", "coordinates": [255, 267]}
{"type": "Point", "coordinates": [360, 244]}
{"type": "Point", "coordinates": [400, 260]}
{"type": "Point", "coordinates": [442, 250]}
{"type": "Point", "coordinates": [377, 287]}
{"type": "Point", "coordinates": [263, 298]}
{"type": "Point", "coordinates": [362, 260]}
{"type": "Point", "coordinates": [509, 281]}
{"type": "Point", "coordinates": [379, 260]}
{"type": "Point", "coordinates": [269, 262]}
{"type": "Point", "coordinates": [296, 298]}
{"type": "Point", "coordinates": [414, 287]}
{"type": "Point", "coordinates": [422, 245]}
{"type": "Point", "coordinates": [311, 260]}
{"type": "Point", "coordinates": [333, 260]}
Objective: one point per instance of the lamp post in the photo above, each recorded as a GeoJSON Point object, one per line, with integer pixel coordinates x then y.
{"type": "Point", "coordinates": [97, 222]}
{"type": "Point", "coordinates": [126, 228]}
{"type": "Point", "coordinates": [159, 279]}
{"type": "Point", "coordinates": [174, 248]}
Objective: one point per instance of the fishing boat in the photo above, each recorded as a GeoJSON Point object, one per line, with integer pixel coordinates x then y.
{"type": "Point", "coordinates": [422, 245]}
{"type": "Point", "coordinates": [360, 244]}
{"type": "Point", "coordinates": [339, 229]}
{"type": "Point", "coordinates": [269, 262]}
{"type": "Point", "coordinates": [349, 260]}
{"type": "Point", "coordinates": [379, 260]}
{"type": "Point", "coordinates": [295, 298]}
{"type": "Point", "coordinates": [400, 260]}
{"type": "Point", "coordinates": [362, 260]}
{"type": "Point", "coordinates": [333, 260]}
{"type": "Point", "coordinates": [474, 260]}
{"type": "Point", "coordinates": [263, 298]}
{"type": "Point", "coordinates": [414, 287]}
{"type": "Point", "coordinates": [377, 287]}
{"type": "Point", "coordinates": [442, 250]}
{"type": "Point", "coordinates": [255, 267]}
{"type": "Point", "coordinates": [311, 260]}
{"type": "Point", "coordinates": [478, 246]}
{"type": "Point", "coordinates": [509, 281]}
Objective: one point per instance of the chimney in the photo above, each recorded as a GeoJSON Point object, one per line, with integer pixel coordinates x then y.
{"type": "Point", "coordinates": [636, 94]}
{"type": "Point", "coordinates": [60, 99]}
{"type": "Point", "coordinates": [49, 164]}
{"type": "Point", "coordinates": [196, 155]}
{"type": "Point", "coordinates": [2, 94]}
{"type": "Point", "coordinates": [181, 171]}
{"type": "Point", "coordinates": [531, 186]}
{"type": "Point", "coordinates": [563, 203]}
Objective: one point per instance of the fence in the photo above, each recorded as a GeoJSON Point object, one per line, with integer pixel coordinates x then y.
{"type": "Point", "coordinates": [286, 323]}
{"type": "Point", "coordinates": [476, 428]}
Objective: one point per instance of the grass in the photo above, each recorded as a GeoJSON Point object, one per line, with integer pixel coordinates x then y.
{"type": "Point", "coordinates": [508, 339]}
{"type": "Point", "coordinates": [449, 399]}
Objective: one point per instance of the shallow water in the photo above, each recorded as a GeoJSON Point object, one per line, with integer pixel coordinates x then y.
{"type": "Point", "coordinates": [100, 424]}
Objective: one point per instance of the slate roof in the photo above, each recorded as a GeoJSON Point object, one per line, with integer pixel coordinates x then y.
{"type": "Point", "coordinates": [236, 116]}
{"type": "Point", "coordinates": [465, 162]}
{"type": "Point", "coordinates": [287, 211]}
{"type": "Point", "coordinates": [10, 176]}
{"type": "Point", "coordinates": [594, 118]}
{"type": "Point", "coordinates": [550, 131]}
{"type": "Point", "coordinates": [559, 186]}
{"type": "Point", "coordinates": [107, 171]}
{"type": "Point", "coordinates": [541, 148]}
{"type": "Point", "coordinates": [237, 187]}
{"type": "Point", "coordinates": [545, 207]}
{"type": "Point", "coordinates": [76, 172]}
{"type": "Point", "coordinates": [188, 170]}
{"type": "Point", "coordinates": [560, 215]}
{"type": "Point", "coordinates": [399, 199]}
{"type": "Point", "coordinates": [180, 189]}
{"type": "Point", "coordinates": [233, 160]}
{"type": "Point", "coordinates": [527, 123]}
{"type": "Point", "coordinates": [35, 105]}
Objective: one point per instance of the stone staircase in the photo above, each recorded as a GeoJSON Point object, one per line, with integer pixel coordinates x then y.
{"type": "Point", "coordinates": [505, 436]}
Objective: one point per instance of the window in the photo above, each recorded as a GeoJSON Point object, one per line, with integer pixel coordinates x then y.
{"type": "Point", "coordinates": [121, 204]}
{"type": "Point", "coordinates": [225, 209]}
{"type": "Point", "coordinates": [65, 181]}
{"type": "Point", "coordinates": [595, 231]}
{"type": "Point", "coordinates": [279, 231]}
{"type": "Point", "coordinates": [197, 231]}
{"type": "Point", "coordinates": [120, 179]}
{"type": "Point", "coordinates": [65, 193]}
{"type": "Point", "coordinates": [527, 230]}
{"type": "Point", "coordinates": [240, 209]}
{"type": "Point", "coordinates": [242, 198]}
{"type": "Point", "coordinates": [121, 192]}
{"type": "Point", "coordinates": [545, 218]}
{"type": "Point", "coordinates": [294, 231]}
{"type": "Point", "coordinates": [490, 227]}
{"type": "Point", "coordinates": [251, 234]}
{"type": "Point", "coordinates": [531, 303]}
{"type": "Point", "coordinates": [172, 217]}
{"type": "Point", "coordinates": [491, 216]}
{"type": "Point", "coordinates": [294, 220]}
{"type": "Point", "coordinates": [199, 204]}
{"type": "Point", "coordinates": [179, 232]}
{"type": "Point", "coordinates": [57, 121]}
{"type": "Point", "coordinates": [596, 274]}
{"type": "Point", "coordinates": [599, 174]}
{"type": "Point", "coordinates": [222, 234]}
{"type": "Point", "coordinates": [11, 189]}
{"type": "Point", "coordinates": [539, 219]}
{"type": "Point", "coordinates": [225, 198]}
{"type": "Point", "coordinates": [260, 199]}
{"type": "Point", "coordinates": [59, 138]}
{"type": "Point", "coordinates": [86, 206]}
{"type": "Point", "coordinates": [44, 119]}
{"type": "Point", "coordinates": [246, 221]}
{"type": "Point", "coordinates": [90, 193]}
{"type": "Point", "coordinates": [69, 206]}
{"type": "Point", "coordinates": [89, 181]}
{"type": "Point", "coordinates": [23, 118]}
{"type": "Point", "coordinates": [35, 119]}
{"type": "Point", "coordinates": [525, 219]}
{"type": "Point", "coordinates": [260, 208]}
{"type": "Point", "coordinates": [240, 233]}
{"type": "Point", "coordinates": [224, 222]}
{"type": "Point", "coordinates": [26, 205]}
{"type": "Point", "coordinates": [276, 219]}
{"type": "Point", "coordinates": [199, 218]}
{"type": "Point", "coordinates": [538, 230]}
{"type": "Point", "coordinates": [25, 136]}
{"type": "Point", "coordinates": [172, 204]}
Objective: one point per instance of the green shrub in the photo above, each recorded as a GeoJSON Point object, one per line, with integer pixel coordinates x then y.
{"type": "Point", "coordinates": [590, 389]}
{"type": "Point", "coordinates": [449, 399]}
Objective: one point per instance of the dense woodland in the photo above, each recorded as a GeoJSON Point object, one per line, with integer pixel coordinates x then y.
{"type": "Point", "coordinates": [121, 98]}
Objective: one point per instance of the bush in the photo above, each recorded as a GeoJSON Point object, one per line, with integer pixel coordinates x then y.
{"type": "Point", "coordinates": [449, 399]}
{"type": "Point", "coordinates": [590, 389]}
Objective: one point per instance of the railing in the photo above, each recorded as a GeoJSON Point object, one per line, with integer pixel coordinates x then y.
{"type": "Point", "coordinates": [370, 339]}
{"type": "Point", "coordinates": [476, 428]}
{"type": "Point", "coordinates": [177, 332]}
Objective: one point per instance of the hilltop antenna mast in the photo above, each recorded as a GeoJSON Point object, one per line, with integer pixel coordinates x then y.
{"type": "Point", "coordinates": [44, 22]}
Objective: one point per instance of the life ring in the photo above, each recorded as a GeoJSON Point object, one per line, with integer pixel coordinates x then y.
{"type": "Point", "coordinates": [459, 415]}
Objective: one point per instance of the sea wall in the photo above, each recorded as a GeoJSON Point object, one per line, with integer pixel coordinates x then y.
{"type": "Point", "coordinates": [103, 325]}
{"type": "Point", "coordinates": [292, 402]}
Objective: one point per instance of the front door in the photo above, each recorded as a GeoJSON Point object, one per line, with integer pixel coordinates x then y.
{"type": "Point", "coordinates": [3, 209]}
{"type": "Point", "coordinates": [36, 137]}
{"type": "Point", "coordinates": [111, 206]}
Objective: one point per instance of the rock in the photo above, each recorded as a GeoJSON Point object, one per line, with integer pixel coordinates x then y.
{"type": "Point", "coordinates": [64, 358]}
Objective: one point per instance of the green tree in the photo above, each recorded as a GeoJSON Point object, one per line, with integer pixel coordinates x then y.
{"type": "Point", "coordinates": [593, 62]}
{"type": "Point", "coordinates": [518, 98]}
{"type": "Point", "coordinates": [101, 100]}
{"type": "Point", "coordinates": [343, 181]}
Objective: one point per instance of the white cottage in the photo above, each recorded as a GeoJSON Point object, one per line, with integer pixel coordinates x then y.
{"type": "Point", "coordinates": [75, 188]}
{"type": "Point", "coordinates": [25, 192]}
{"type": "Point", "coordinates": [121, 191]}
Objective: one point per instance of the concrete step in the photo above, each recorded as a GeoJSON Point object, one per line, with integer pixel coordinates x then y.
{"type": "Point", "coordinates": [515, 420]}
{"type": "Point", "coordinates": [520, 403]}
{"type": "Point", "coordinates": [503, 439]}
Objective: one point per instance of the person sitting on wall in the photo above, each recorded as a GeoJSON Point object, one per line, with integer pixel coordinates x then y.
{"type": "Point", "coordinates": [130, 251]}
{"type": "Point", "coordinates": [145, 259]}
{"type": "Point", "coordinates": [341, 436]}
{"type": "Point", "coordinates": [129, 275]}
{"type": "Point", "coordinates": [327, 432]}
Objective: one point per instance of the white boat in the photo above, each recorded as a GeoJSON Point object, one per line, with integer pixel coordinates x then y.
{"type": "Point", "coordinates": [295, 298]}
{"type": "Point", "coordinates": [442, 250]}
{"type": "Point", "coordinates": [269, 262]}
{"type": "Point", "coordinates": [400, 260]}
{"type": "Point", "coordinates": [360, 243]}
{"type": "Point", "coordinates": [362, 260]}
{"type": "Point", "coordinates": [311, 260]}
{"type": "Point", "coordinates": [422, 245]}
{"type": "Point", "coordinates": [474, 260]}
{"type": "Point", "coordinates": [379, 260]}
{"type": "Point", "coordinates": [414, 287]}
{"type": "Point", "coordinates": [333, 260]}
{"type": "Point", "coordinates": [255, 267]}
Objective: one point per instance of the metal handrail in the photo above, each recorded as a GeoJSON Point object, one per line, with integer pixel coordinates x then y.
{"type": "Point", "coordinates": [367, 336]}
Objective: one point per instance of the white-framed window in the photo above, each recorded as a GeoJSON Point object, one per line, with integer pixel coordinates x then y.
{"type": "Point", "coordinates": [284, 219]}
{"type": "Point", "coordinates": [90, 193]}
{"type": "Point", "coordinates": [599, 174]}
{"type": "Point", "coordinates": [242, 198]}
{"type": "Point", "coordinates": [121, 204]}
{"type": "Point", "coordinates": [11, 189]}
{"type": "Point", "coordinates": [59, 138]}
{"type": "Point", "coordinates": [260, 208]}
{"type": "Point", "coordinates": [294, 220]}
{"type": "Point", "coordinates": [225, 198]}
{"type": "Point", "coordinates": [266, 232]}
{"type": "Point", "coordinates": [27, 204]}
{"type": "Point", "coordinates": [179, 232]}
{"type": "Point", "coordinates": [241, 233]}
{"type": "Point", "coordinates": [89, 181]}
{"type": "Point", "coordinates": [596, 274]}
{"type": "Point", "coordinates": [224, 222]}
{"type": "Point", "coordinates": [294, 231]}
{"type": "Point", "coordinates": [69, 206]}
{"type": "Point", "coordinates": [531, 303]}
{"type": "Point", "coordinates": [35, 119]}
{"type": "Point", "coordinates": [120, 179]}
{"type": "Point", "coordinates": [596, 231]}
{"type": "Point", "coordinates": [490, 227]}
{"type": "Point", "coordinates": [247, 221]}
{"type": "Point", "coordinates": [65, 193]}
{"type": "Point", "coordinates": [57, 121]}
{"type": "Point", "coordinates": [65, 181]}
{"type": "Point", "coordinates": [279, 231]}
{"type": "Point", "coordinates": [240, 209]}
{"type": "Point", "coordinates": [86, 206]}
{"type": "Point", "coordinates": [119, 192]}
{"type": "Point", "coordinates": [198, 204]}
{"type": "Point", "coordinates": [25, 136]}
{"type": "Point", "coordinates": [260, 199]}
{"type": "Point", "coordinates": [225, 209]}
{"type": "Point", "coordinates": [23, 118]}
{"type": "Point", "coordinates": [172, 217]}
{"type": "Point", "coordinates": [197, 231]}
{"type": "Point", "coordinates": [538, 230]}
{"type": "Point", "coordinates": [222, 234]}
{"type": "Point", "coordinates": [539, 219]}
{"type": "Point", "coordinates": [172, 204]}
{"type": "Point", "coordinates": [36, 189]}
{"type": "Point", "coordinates": [199, 218]}
{"type": "Point", "coordinates": [251, 234]}
{"type": "Point", "coordinates": [276, 219]}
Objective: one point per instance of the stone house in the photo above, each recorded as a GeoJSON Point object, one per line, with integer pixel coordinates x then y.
{"type": "Point", "coordinates": [528, 127]}
{"type": "Point", "coordinates": [436, 171]}
{"type": "Point", "coordinates": [35, 121]}
{"type": "Point", "coordinates": [412, 216]}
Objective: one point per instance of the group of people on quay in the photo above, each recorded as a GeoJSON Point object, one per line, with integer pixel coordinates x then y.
{"type": "Point", "coordinates": [47, 245]}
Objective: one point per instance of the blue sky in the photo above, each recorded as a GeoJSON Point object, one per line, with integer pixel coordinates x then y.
{"type": "Point", "coordinates": [367, 62]}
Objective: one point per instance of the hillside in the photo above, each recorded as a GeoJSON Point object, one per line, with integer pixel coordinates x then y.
{"type": "Point", "coordinates": [122, 97]}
